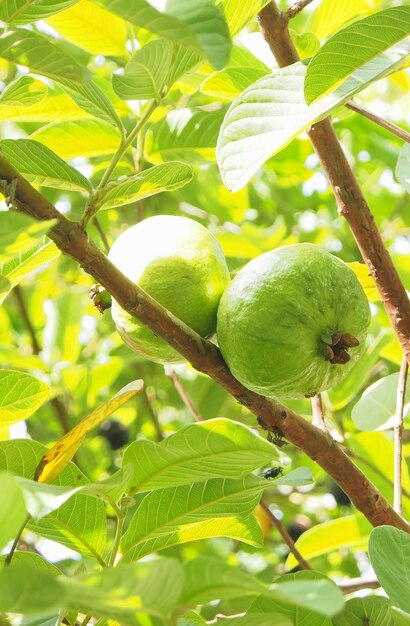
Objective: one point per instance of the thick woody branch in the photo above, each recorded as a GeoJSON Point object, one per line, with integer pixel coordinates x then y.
{"type": "Point", "coordinates": [351, 202]}
{"type": "Point", "coordinates": [202, 354]}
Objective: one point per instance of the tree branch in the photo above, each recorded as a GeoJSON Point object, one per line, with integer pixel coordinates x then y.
{"type": "Point", "coordinates": [392, 128]}
{"type": "Point", "coordinates": [351, 202]}
{"type": "Point", "coordinates": [203, 355]}
{"type": "Point", "coordinates": [169, 371]}
{"type": "Point", "coordinates": [296, 8]}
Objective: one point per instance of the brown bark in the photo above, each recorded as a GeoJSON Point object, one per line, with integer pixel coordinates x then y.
{"type": "Point", "coordinates": [203, 355]}
{"type": "Point", "coordinates": [351, 202]}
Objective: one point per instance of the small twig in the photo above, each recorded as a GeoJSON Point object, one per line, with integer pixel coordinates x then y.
{"type": "Point", "coordinates": [102, 234]}
{"type": "Point", "coordinates": [16, 540]}
{"type": "Point", "coordinates": [398, 436]}
{"type": "Point", "coordinates": [296, 8]}
{"type": "Point", "coordinates": [169, 371]}
{"type": "Point", "coordinates": [393, 128]}
{"type": "Point", "coordinates": [355, 584]}
{"type": "Point", "coordinates": [318, 416]}
{"type": "Point", "coordinates": [221, 616]}
{"type": "Point", "coordinates": [285, 536]}
{"type": "Point", "coordinates": [56, 402]}
{"type": "Point", "coordinates": [148, 405]}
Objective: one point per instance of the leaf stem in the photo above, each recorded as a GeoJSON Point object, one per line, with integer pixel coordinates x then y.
{"type": "Point", "coordinates": [16, 540]}
{"type": "Point", "coordinates": [117, 537]}
{"type": "Point", "coordinates": [392, 128]}
{"type": "Point", "coordinates": [398, 436]}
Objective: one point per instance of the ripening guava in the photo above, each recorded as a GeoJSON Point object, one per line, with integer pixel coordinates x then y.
{"type": "Point", "coordinates": [293, 322]}
{"type": "Point", "coordinates": [180, 264]}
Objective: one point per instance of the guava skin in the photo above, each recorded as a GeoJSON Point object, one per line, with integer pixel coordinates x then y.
{"type": "Point", "coordinates": [180, 264]}
{"type": "Point", "coordinates": [278, 314]}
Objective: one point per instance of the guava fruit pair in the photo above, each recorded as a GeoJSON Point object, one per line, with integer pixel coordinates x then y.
{"type": "Point", "coordinates": [292, 322]}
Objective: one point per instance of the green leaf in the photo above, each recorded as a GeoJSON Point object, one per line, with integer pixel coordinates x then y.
{"type": "Point", "coordinates": [145, 76]}
{"type": "Point", "coordinates": [165, 177]}
{"type": "Point", "coordinates": [377, 405]}
{"type": "Point", "coordinates": [272, 111]}
{"type": "Point", "coordinates": [13, 509]}
{"type": "Point", "coordinates": [12, 272]}
{"type": "Point", "coordinates": [298, 477]}
{"type": "Point", "coordinates": [354, 46]}
{"type": "Point", "coordinates": [371, 610]}
{"type": "Point", "coordinates": [237, 17]}
{"type": "Point", "coordinates": [184, 135]}
{"type": "Point", "coordinates": [92, 28]}
{"type": "Point", "coordinates": [25, 91]}
{"type": "Point", "coordinates": [403, 167]}
{"type": "Point", "coordinates": [26, 589]}
{"type": "Point", "coordinates": [229, 83]}
{"type": "Point", "coordinates": [40, 54]}
{"type": "Point", "coordinates": [19, 233]}
{"type": "Point", "coordinates": [33, 560]}
{"type": "Point", "coordinates": [41, 499]}
{"type": "Point", "coordinates": [268, 618]}
{"type": "Point", "coordinates": [389, 552]}
{"type": "Point", "coordinates": [349, 531]}
{"type": "Point", "coordinates": [208, 579]}
{"type": "Point", "coordinates": [23, 12]}
{"type": "Point", "coordinates": [178, 507]}
{"type": "Point", "coordinates": [245, 529]}
{"type": "Point", "coordinates": [55, 106]}
{"type": "Point", "coordinates": [296, 615]}
{"type": "Point", "coordinates": [20, 396]}
{"type": "Point", "coordinates": [80, 523]}
{"type": "Point", "coordinates": [217, 448]}
{"type": "Point", "coordinates": [124, 592]}
{"type": "Point", "coordinates": [86, 138]}
{"type": "Point", "coordinates": [195, 24]}
{"type": "Point", "coordinates": [41, 166]}
{"type": "Point", "coordinates": [331, 15]}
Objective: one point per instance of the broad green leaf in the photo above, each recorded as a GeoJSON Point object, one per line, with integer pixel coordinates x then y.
{"type": "Point", "coordinates": [42, 499]}
{"type": "Point", "coordinates": [113, 488]}
{"type": "Point", "coordinates": [19, 233]}
{"type": "Point", "coordinates": [229, 83]}
{"type": "Point", "coordinates": [56, 106]}
{"type": "Point", "coordinates": [25, 91]}
{"type": "Point", "coordinates": [208, 579]}
{"type": "Point", "coordinates": [40, 166]}
{"type": "Point", "coordinates": [20, 396]}
{"type": "Point", "coordinates": [192, 619]}
{"type": "Point", "coordinates": [92, 28]}
{"type": "Point", "coordinates": [33, 560]}
{"type": "Point", "coordinates": [331, 15]}
{"type": "Point", "coordinates": [80, 523]}
{"type": "Point", "coordinates": [25, 589]}
{"type": "Point", "coordinates": [296, 615]}
{"type": "Point", "coordinates": [350, 531]}
{"type": "Point", "coordinates": [298, 477]}
{"type": "Point", "coordinates": [366, 280]}
{"type": "Point", "coordinates": [238, 15]}
{"type": "Point", "coordinates": [272, 111]}
{"type": "Point", "coordinates": [389, 552]}
{"type": "Point", "coordinates": [164, 177]}
{"type": "Point", "coordinates": [145, 76]}
{"type": "Point", "coordinates": [40, 54]}
{"type": "Point", "coordinates": [377, 405]}
{"type": "Point", "coordinates": [180, 506]}
{"type": "Point", "coordinates": [90, 97]}
{"type": "Point", "coordinates": [124, 592]}
{"type": "Point", "coordinates": [195, 24]}
{"type": "Point", "coordinates": [87, 138]}
{"type": "Point", "coordinates": [245, 529]}
{"type": "Point", "coordinates": [403, 167]}
{"type": "Point", "coordinates": [184, 62]}
{"type": "Point", "coordinates": [216, 448]}
{"type": "Point", "coordinates": [307, 44]}
{"type": "Point", "coordinates": [184, 135]}
{"type": "Point", "coordinates": [267, 618]}
{"type": "Point", "coordinates": [59, 456]}
{"type": "Point", "coordinates": [12, 272]}
{"type": "Point", "coordinates": [23, 12]}
{"type": "Point", "coordinates": [372, 610]}
{"type": "Point", "coordinates": [13, 509]}
{"type": "Point", "coordinates": [354, 46]}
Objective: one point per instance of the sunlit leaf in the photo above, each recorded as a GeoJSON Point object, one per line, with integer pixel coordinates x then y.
{"type": "Point", "coordinates": [354, 46]}
{"type": "Point", "coordinates": [330, 15]}
{"type": "Point", "coordinates": [20, 396]}
{"type": "Point", "coordinates": [373, 609]}
{"type": "Point", "coordinates": [13, 509]}
{"type": "Point", "coordinates": [25, 91]}
{"type": "Point", "coordinates": [19, 233]}
{"type": "Point", "coordinates": [272, 111]}
{"type": "Point", "coordinates": [238, 15]}
{"type": "Point", "coordinates": [40, 166]}
{"type": "Point", "coordinates": [25, 589]}
{"type": "Point", "coordinates": [366, 280]}
{"type": "Point", "coordinates": [377, 406]}
{"type": "Point", "coordinates": [165, 177]}
{"type": "Point", "coordinates": [229, 83]}
{"type": "Point", "coordinates": [389, 552]}
{"type": "Point", "coordinates": [23, 12]}
{"type": "Point", "coordinates": [92, 28]}
{"type": "Point", "coordinates": [58, 457]}
{"type": "Point", "coordinates": [403, 167]}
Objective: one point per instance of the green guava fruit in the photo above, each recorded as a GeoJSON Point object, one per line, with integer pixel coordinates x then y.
{"type": "Point", "coordinates": [293, 322]}
{"type": "Point", "coordinates": [180, 264]}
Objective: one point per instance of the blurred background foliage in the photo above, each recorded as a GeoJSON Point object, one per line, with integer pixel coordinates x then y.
{"type": "Point", "coordinates": [49, 327]}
